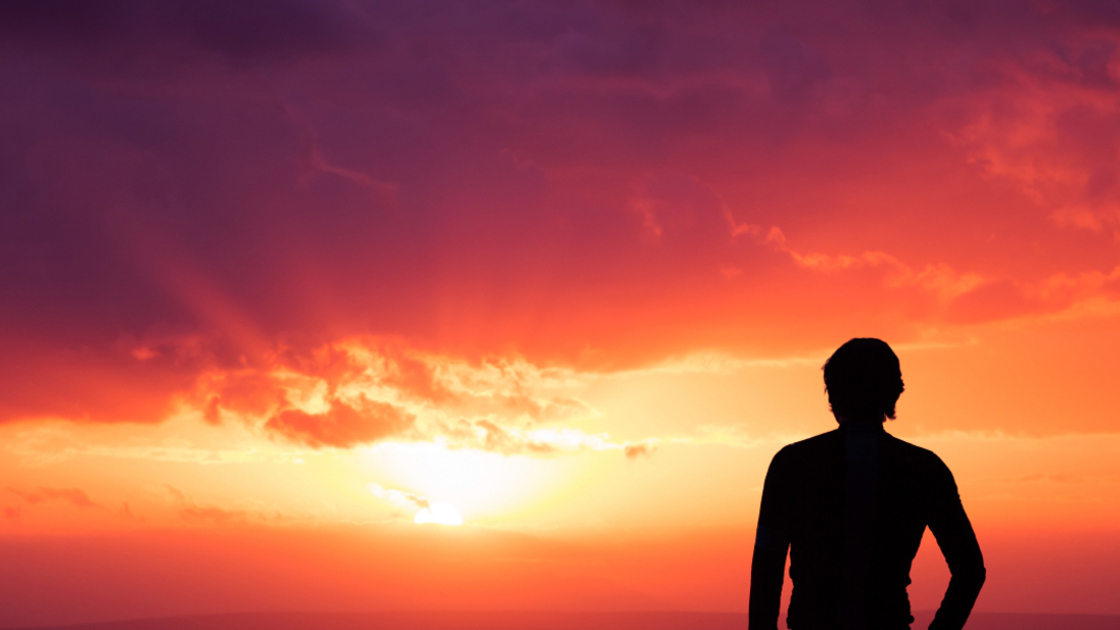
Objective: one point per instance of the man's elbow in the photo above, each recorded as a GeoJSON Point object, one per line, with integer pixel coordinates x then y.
{"type": "Point", "coordinates": [973, 577]}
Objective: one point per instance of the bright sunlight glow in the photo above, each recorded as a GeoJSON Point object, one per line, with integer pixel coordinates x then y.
{"type": "Point", "coordinates": [477, 483]}
{"type": "Point", "coordinates": [439, 513]}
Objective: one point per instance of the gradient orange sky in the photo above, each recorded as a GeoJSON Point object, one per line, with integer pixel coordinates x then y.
{"type": "Point", "coordinates": [358, 305]}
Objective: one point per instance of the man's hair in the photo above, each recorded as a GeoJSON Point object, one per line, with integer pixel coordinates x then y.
{"type": "Point", "coordinates": [863, 380]}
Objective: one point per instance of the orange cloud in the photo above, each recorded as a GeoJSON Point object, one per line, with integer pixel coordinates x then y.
{"type": "Point", "coordinates": [74, 496]}
{"type": "Point", "coordinates": [367, 389]}
{"type": "Point", "coordinates": [189, 510]}
{"type": "Point", "coordinates": [342, 425]}
{"type": "Point", "coordinates": [634, 451]}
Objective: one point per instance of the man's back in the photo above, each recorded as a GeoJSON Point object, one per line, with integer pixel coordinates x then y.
{"type": "Point", "coordinates": [852, 505]}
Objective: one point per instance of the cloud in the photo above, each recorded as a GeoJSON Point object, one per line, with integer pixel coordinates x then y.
{"type": "Point", "coordinates": [364, 390]}
{"type": "Point", "coordinates": [367, 389]}
{"type": "Point", "coordinates": [45, 443]}
{"type": "Point", "coordinates": [359, 391]}
{"type": "Point", "coordinates": [399, 498]}
{"type": "Point", "coordinates": [634, 451]}
{"type": "Point", "coordinates": [212, 514]}
{"type": "Point", "coordinates": [202, 192]}
{"type": "Point", "coordinates": [341, 425]}
{"type": "Point", "coordinates": [1056, 294]}
{"type": "Point", "coordinates": [484, 434]}
{"type": "Point", "coordinates": [939, 280]}
{"type": "Point", "coordinates": [1047, 126]}
{"type": "Point", "coordinates": [189, 510]}
{"type": "Point", "coordinates": [74, 496]}
{"type": "Point", "coordinates": [250, 31]}
{"type": "Point", "coordinates": [678, 207]}
{"type": "Point", "coordinates": [495, 438]}
{"type": "Point", "coordinates": [425, 511]}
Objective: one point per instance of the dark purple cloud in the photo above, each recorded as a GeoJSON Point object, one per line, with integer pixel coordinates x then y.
{"type": "Point", "coordinates": [134, 36]}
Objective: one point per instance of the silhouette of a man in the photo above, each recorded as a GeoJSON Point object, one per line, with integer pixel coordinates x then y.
{"type": "Point", "coordinates": [851, 506]}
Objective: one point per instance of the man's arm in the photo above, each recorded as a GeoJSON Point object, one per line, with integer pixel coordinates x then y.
{"type": "Point", "coordinates": [951, 528]}
{"type": "Point", "coordinates": [768, 566]}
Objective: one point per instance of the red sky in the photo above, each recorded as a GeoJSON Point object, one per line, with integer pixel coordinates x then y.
{"type": "Point", "coordinates": [302, 273]}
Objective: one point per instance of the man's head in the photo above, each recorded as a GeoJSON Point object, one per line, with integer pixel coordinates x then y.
{"type": "Point", "coordinates": [863, 380]}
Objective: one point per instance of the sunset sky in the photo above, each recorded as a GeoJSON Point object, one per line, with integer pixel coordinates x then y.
{"type": "Point", "coordinates": [359, 305]}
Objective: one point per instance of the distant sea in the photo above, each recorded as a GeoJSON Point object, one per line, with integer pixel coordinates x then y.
{"type": "Point", "coordinates": [549, 621]}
